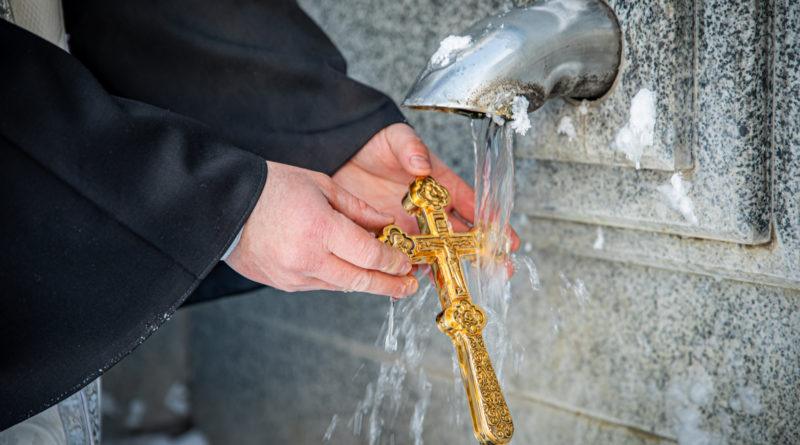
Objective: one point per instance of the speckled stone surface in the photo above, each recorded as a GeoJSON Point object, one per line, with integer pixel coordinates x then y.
{"type": "Point", "coordinates": [684, 334]}
{"type": "Point", "coordinates": [671, 353]}
{"type": "Point", "coordinates": [709, 70]}
{"type": "Point", "coordinates": [639, 355]}
{"type": "Point", "coordinates": [659, 56]}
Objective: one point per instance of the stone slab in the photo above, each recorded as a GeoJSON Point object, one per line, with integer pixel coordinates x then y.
{"type": "Point", "coordinates": [258, 379]}
{"type": "Point", "coordinates": [667, 352]}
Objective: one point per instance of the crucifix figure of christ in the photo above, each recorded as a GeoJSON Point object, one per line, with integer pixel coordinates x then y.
{"type": "Point", "coordinates": [461, 319]}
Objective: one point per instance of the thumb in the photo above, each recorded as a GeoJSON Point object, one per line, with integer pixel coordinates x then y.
{"type": "Point", "coordinates": [355, 209]}
{"type": "Point", "coordinates": [409, 149]}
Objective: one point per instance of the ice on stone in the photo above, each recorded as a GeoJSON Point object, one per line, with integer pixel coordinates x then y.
{"type": "Point", "coordinates": [448, 47]}
{"type": "Point", "coordinates": [565, 128]}
{"type": "Point", "coordinates": [642, 340]}
{"type": "Point", "coordinates": [638, 133]}
{"type": "Point", "coordinates": [497, 119]}
{"type": "Point", "coordinates": [675, 194]}
{"type": "Point", "coordinates": [519, 115]}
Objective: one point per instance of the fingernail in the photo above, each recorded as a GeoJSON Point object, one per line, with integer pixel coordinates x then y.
{"type": "Point", "coordinates": [420, 162]}
{"type": "Point", "coordinates": [411, 286]}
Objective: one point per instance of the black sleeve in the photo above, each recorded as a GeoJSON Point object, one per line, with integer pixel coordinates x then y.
{"type": "Point", "coordinates": [113, 208]}
{"type": "Point", "coordinates": [259, 72]}
{"type": "Point", "coordinates": [111, 211]}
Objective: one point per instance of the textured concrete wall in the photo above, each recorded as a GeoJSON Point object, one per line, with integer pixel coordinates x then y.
{"type": "Point", "coordinates": [682, 332]}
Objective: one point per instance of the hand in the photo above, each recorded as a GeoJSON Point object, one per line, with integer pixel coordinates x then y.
{"type": "Point", "coordinates": [381, 172]}
{"type": "Point", "coordinates": [306, 233]}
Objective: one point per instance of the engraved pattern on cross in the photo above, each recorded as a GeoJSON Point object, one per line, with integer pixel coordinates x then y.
{"type": "Point", "coordinates": [460, 319]}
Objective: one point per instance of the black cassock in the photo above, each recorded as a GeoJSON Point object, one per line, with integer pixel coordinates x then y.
{"type": "Point", "coordinates": [127, 169]}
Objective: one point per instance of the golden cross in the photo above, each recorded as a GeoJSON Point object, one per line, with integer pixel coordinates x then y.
{"type": "Point", "coordinates": [461, 319]}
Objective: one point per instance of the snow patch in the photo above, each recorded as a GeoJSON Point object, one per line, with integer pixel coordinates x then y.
{"type": "Point", "coordinates": [599, 241]}
{"type": "Point", "coordinates": [638, 133]}
{"type": "Point", "coordinates": [565, 128]}
{"type": "Point", "coordinates": [675, 194]}
{"type": "Point", "coordinates": [177, 399]}
{"type": "Point", "coordinates": [191, 437]}
{"type": "Point", "coordinates": [684, 399]}
{"type": "Point", "coordinates": [448, 47]}
{"type": "Point", "coordinates": [583, 109]}
{"type": "Point", "coordinates": [519, 115]}
{"type": "Point", "coordinates": [748, 399]}
{"type": "Point", "coordinates": [109, 405]}
{"type": "Point", "coordinates": [136, 411]}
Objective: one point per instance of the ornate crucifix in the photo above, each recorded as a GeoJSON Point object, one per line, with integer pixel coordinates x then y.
{"type": "Point", "coordinates": [461, 319]}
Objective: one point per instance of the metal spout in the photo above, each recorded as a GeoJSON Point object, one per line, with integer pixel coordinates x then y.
{"type": "Point", "coordinates": [553, 48]}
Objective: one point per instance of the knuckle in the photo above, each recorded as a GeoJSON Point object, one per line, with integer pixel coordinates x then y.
{"type": "Point", "coordinates": [316, 224]}
{"type": "Point", "coordinates": [362, 281]}
{"type": "Point", "coordinates": [300, 262]}
{"type": "Point", "coordinates": [361, 206]}
{"type": "Point", "coordinates": [315, 231]}
{"type": "Point", "coordinates": [400, 289]}
{"type": "Point", "coordinates": [325, 183]}
{"type": "Point", "coordinates": [371, 253]}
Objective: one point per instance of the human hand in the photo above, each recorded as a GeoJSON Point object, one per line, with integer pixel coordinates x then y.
{"type": "Point", "coordinates": [306, 232]}
{"type": "Point", "coordinates": [380, 174]}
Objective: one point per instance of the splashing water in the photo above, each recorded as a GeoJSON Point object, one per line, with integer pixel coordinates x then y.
{"type": "Point", "coordinates": [406, 335]}
{"type": "Point", "coordinates": [408, 330]}
{"type": "Point", "coordinates": [331, 427]}
{"type": "Point", "coordinates": [494, 194]}
{"type": "Point", "coordinates": [420, 408]}
{"type": "Point", "coordinates": [390, 343]}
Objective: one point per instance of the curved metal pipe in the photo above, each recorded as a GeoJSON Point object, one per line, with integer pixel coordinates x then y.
{"type": "Point", "coordinates": [553, 48]}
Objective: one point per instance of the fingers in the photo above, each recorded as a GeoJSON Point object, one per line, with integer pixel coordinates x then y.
{"type": "Point", "coordinates": [509, 268]}
{"type": "Point", "coordinates": [462, 196]}
{"type": "Point", "coordinates": [409, 149]}
{"type": "Point", "coordinates": [345, 276]}
{"type": "Point", "coordinates": [357, 210]}
{"type": "Point", "coordinates": [358, 247]}
{"type": "Point", "coordinates": [347, 239]}
{"type": "Point", "coordinates": [457, 224]}
{"type": "Point", "coordinates": [514, 239]}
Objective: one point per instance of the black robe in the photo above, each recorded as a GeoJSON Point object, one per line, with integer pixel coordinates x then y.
{"type": "Point", "coordinates": [127, 168]}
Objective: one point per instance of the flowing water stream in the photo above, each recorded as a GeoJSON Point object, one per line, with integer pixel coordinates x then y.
{"type": "Point", "coordinates": [402, 389]}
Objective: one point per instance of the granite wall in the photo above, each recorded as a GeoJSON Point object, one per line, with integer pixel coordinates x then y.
{"type": "Point", "coordinates": [648, 324]}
